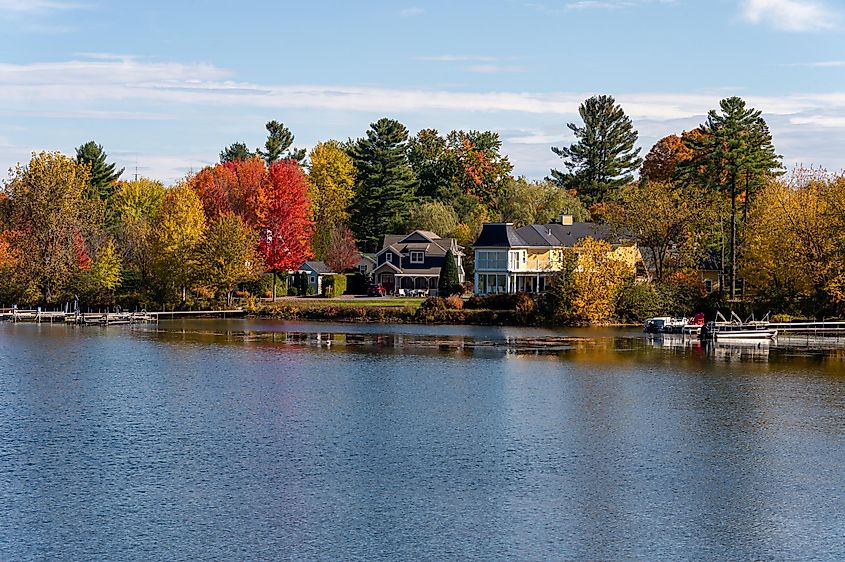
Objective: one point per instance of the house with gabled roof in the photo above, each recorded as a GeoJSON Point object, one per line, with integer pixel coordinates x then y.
{"type": "Point", "coordinates": [317, 272]}
{"type": "Point", "coordinates": [515, 260]}
{"type": "Point", "coordinates": [412, 262]}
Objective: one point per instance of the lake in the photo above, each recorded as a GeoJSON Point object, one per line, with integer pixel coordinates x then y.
{"type": "Point", "coordinates": [245, 439]}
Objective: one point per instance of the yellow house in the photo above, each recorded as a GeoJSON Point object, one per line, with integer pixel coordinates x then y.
{"type": "Point", "coordinates": [515, 260]}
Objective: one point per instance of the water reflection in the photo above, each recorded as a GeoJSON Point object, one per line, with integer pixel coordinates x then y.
{"type": "Point", "coordinates": [594, 346]}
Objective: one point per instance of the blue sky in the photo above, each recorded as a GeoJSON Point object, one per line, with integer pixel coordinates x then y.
{"type": "Point", "coordinates": [166, 85]}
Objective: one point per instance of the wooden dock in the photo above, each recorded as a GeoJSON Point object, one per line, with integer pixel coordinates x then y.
{"type": "Point", "coordinates": [108, 318]}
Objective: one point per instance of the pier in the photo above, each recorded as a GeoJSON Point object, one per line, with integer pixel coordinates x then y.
{"type": "Point", "coordinates": [108, 318]}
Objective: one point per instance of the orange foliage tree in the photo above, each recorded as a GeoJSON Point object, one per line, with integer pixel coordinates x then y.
{"type": "Point", "coordinates": [236, 187]}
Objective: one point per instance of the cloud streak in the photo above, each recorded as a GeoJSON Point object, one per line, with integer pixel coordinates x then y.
{"type": "Point", "coordinates": [791, 15]}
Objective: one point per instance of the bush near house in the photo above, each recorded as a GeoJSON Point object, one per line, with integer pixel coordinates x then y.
{"type": "Point", "coordinates": [335, 285]}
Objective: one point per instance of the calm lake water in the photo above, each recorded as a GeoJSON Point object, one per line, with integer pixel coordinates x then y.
{"type": "Point", "coordinates": [262, 440]}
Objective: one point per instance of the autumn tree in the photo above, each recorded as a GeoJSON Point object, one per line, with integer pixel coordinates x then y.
{"type": "Point", "coordinates": [661, 162]}
{"type": "Point", "coordinates": [673, 226]}
{"type": "Point", "coordinates": [285, 238]}
{"type": "Point", "coordinates": [733, 154]}
{"type": "Point", "coordinates": [228, 254]}
{"type": "Point", "coordinates": [236, 151]}
{"type": "Point", "coordinates": [133, 210]}
{"type": "Point", "coordinates": [604, 156]}
{"type": "Point", "coordinates": [103, 175]}
{"type": "Point", "coordinates": [794, 254]}
{"type": "Point", "coordinates": [598, 278]}
{"type": "Point", "coordinates": [341, 253]}
{"type": "Point", "coordinates": [178, 231]}
{"type": "Point", "coordinates": [238, 187]}
{"type": "Point", "coordinates": [331, 178]}
{"type": "Point", "coordinates": [48, 211]}
{"type": "Point", "coordinates": [278, 144]}
{"type": "Point", "coordinates": [385, 188]}
{"type": "Point", "coordinates": [481, 172]}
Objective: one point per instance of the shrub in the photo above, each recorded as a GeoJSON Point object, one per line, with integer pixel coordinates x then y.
{"type": "Point", "coordinates": [293, 291]}
{"type": "Point", "coordinates": [638, 301]}
{"type": "Point", "coordinates": [520, 302]}
{"type": "Point", "coordinates": [455, 302]}
{"type": "Point", "coordinates": [309, 291]}
{"type": "Point", "coordinates": [434, 303]}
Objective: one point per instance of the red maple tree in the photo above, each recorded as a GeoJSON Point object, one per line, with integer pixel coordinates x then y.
{"type": "Point", "coordinates": [287, 229]}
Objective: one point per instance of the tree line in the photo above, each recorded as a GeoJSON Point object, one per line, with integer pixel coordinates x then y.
{"type": "Point", "coordinates": [72, 228]}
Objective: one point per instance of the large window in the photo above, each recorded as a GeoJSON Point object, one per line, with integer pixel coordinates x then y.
{"type": "Point", "coordinates": [491, 259]}
{"type": "Point", "coordinates": [491, 283]}
{"type": "Point", "coordinates": [417, 257]}
{"type": "Point", "coordinates": [388, 257]}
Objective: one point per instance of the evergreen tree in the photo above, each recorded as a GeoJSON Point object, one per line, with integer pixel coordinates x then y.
{"type": "Point", "coordinates": [733, 153]}
{"type": "Point", "coordinates": [603, 157]}
{"type": "Point", "coordinates": [278, 145]}
{"type": "Point", "coordinates": [385, 184]}
{"type": "Point", "coordinates": [449, 281]}
{"type": "Point", "coordinates": [103, 175]}
{"type": "Point", "coordinates": [234, 152]}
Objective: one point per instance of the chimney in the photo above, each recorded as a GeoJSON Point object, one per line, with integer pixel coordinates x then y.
{"type": "Point", "coordinates": [566, 219]}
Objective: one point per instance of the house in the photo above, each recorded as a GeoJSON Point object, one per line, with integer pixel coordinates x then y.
{"type": "Point", "coordinates": [412, 262]}
{"type": "Point", "coordinates": [317, 272]}
{"type": "Point", "coordinates": [366, 264]}
{"type": "Point", "coordinates": [514, 260]}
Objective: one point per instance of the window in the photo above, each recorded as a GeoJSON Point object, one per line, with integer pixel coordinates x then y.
{"type": "Point", "coordinates": [491, 283]}
{"type": "Point", "coordinates": [491, 259]}
{"type": "Point", "coordinates": [362, 267]}
{"type": "Point", "coordinates": [516, 259]}
{"type": "Point", "coordinates": [313, 279]}
{"type": "Point", "coordinates": [417, 257]}
{"type": "Point", "coordinates": [708, 285]}
{"type": "Point", "coordinates": [388, 257]}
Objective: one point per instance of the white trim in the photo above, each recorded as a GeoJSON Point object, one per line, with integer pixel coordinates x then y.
{"type": "Point", "coordinates": [417, 253]}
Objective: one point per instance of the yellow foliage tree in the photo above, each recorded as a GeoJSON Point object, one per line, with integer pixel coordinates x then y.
{"type": "Point", "coordinates": [48, 212]}
{"type": "Point", "coordinates": [178, 231]}
{"type": "Point", "coordinates": [795, 243]}
{"type": "Point", "coordinates": [331, 180]}
{"type": "Point", "coordinates": [598, 277]}
{"type": "Point", "coordinates": [228, 254]}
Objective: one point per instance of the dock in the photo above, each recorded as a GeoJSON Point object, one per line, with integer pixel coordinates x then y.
{"type": "Point", "coordinates": [108, 318]}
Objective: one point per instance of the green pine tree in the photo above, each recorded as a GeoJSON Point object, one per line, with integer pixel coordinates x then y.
{"type": "Point", "coordinates": [278, 145]}
{"type": "Point", "coordinates": [604, 156]}
{"type": "Point", "coordinates": [234, 152]}
{"type": "Point", "coordinates": [449, 281]}
{"type": "Point", "coordinates": [103, 175]}
{"type": "Point", "coordinates": [385, 183]}
{"type": "Point", "coordinates": [733, 154]}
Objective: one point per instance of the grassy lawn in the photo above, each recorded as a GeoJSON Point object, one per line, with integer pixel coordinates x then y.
{"type": "Point", "coordinates": [390, 302]}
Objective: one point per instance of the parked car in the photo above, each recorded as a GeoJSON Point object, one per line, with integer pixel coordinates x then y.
{"type": "Point", "coordinates": [376, 290]}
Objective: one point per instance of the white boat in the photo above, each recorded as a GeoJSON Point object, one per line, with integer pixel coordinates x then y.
{"type": "Point", "coordinates": [750, 333]}
{"type": "Point", "coordinates": [736, 329]}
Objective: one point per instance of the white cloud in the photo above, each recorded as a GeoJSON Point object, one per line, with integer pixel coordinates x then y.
{"type": "Point", "coordinates": [159, 96]}
{"type": "Point", "coordinates": [495, 68]}
{"type": "Point", "coordinates": [411, 12]}
{"type": "Point", "coordinates": [36, 6]}
{"type": "Point", "coordinates": [458, 58]}
{"type": "Point", "coordinates": [790, 15]}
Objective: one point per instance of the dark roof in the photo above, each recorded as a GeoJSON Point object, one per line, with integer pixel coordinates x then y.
{"type": "Point", "coordinates": [420, 240]}
{"type": "Point", "coordinates": [498, 235]}
{"type": "Point", "coordinates": [318, 267]}
{"type": "Point", "coordinates": [504, 235]}
{"type": "Point", "coordinates": [570, 234]}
